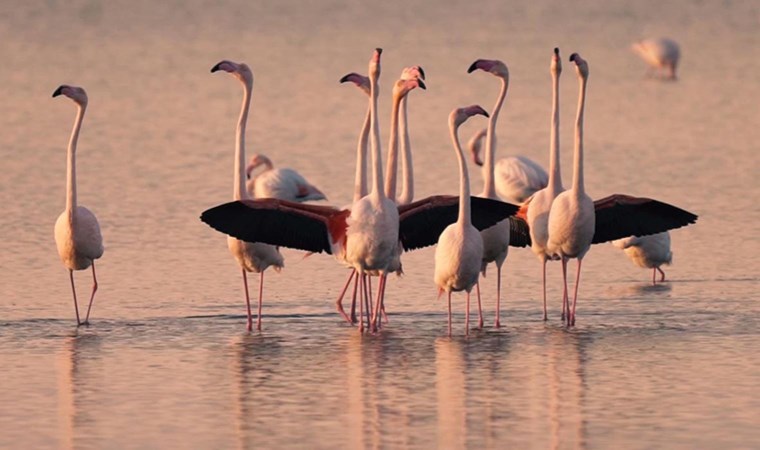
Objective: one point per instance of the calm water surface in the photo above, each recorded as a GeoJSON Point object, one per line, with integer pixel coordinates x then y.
{"type": "Point", "coordinates": [166, 362]}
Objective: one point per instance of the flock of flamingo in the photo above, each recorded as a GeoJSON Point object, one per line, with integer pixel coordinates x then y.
{"type": "Point", "coordinates": [369, 235]}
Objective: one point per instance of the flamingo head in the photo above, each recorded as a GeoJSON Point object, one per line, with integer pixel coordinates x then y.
{"type": "Point", "coordinates": [403, 87]}
{"type": "Point", "coordinates": [460, 115]}
{"type": "Point", "coordinates": [412, 72]}
{"type": "Point", "coordinates": [492, 66]}
{"type": "Point", "coordinates": [256, 161]}
{"type": "Point", "coordinates": [475, 145]}
{"type": "Point", "coordinates": [360, 81]}
{"type": "Point", "coordinates": [556, 67]}
{"type": "Point", "coordinates": [374, 64]}
{"type": "Point", "coordinates": [581, 66]}
{"type": "Point", "coordinates": [75, 93]}
{"type": "Point", "coordinates": [241, 71]}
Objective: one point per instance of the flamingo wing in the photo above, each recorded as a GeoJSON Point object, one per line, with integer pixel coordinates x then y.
{"type": "Point", "coordinates": [422, 222]}
{"type": "Point", "coordinates": [619, 216]}
{"type": "Point", "coordinates": [519, 232]}
{"type": "Point", "coordinates": [278, 222]}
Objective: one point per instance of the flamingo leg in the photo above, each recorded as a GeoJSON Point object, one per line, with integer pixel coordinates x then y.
{"type": "Point", "coordinates": [498, 296]}
{"type": "Point", "coordinates": [247, 300]}
{"type": "Point", "coordinates": [362, 300]}
{"type": "Point", "coordinates": [565, 309]}
{"type": "Point", "coordinates": [654, 274]}
{"type": "Point", "coordinates": [353, 301]}
{"type": "Point", "coordinates": [575, 295]}
{"type": "Point", "coordinates": [662, 277]}
{"type": "Point", "coordinates": [367, 299]}
{"type": "Point", "coordinates": [261, 300]}
{"type": "Point", "coordinates": [73, 291]}
{"type": "Point", "coordinates": [480, 309]}
{"type": "Point", "coordinates": [546, 317]}
{"type": "Point", "coordinates": [339, 301]}
{"type": "Point", "coordinates": [449, 296]}
{"type": "Point", "coordinates": [378, 302]}
{"type": "Point", "coordinates": [92, 296]}
{"type": "Point", "coordinates": [467, 316]}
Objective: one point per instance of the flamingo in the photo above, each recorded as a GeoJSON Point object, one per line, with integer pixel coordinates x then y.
{"type": "Point", "coordinates": [662, 54]}
{"type": "Point", "coordinates": [516, 177]}
{"type": "Point", "coordinates": [77, 232]}
{"type": "Point", "coordinates": [279, 183]}
{"type": "Point", "coordinates": [253, 257]}
{"type": "Point", "coordinates": [648, 251]}
{"type": "Point", "coordinates": [459, 254]}
{"type": "Point", "coordinates": [496, 238]}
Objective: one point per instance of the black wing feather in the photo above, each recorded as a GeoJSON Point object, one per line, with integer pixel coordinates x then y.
{"type": "Point", "coordinates": [619, 216]}
{"type": "Point", "coordinates": [519, 232]}
{"type": "Point", "coordinates": [250, 221]}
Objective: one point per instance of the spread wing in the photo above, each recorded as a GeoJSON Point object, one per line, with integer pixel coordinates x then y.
{"type": "Point", "coordinates": [619, 216]}
{"type": "Point", "coordinates": [519, 232]}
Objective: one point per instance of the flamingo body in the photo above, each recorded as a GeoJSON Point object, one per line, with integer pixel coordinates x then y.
{"type": "Point", "coordinates": [79, 241]}
{"type": "Point", "coordinates": [519, 177]}
{"type": "Point", "coordinates": [649, 252]}
{"type": "Point", "coordinates": [571, 225]}
{"type": "Point", "coordinates": [283, 183]}
{"type": "Point", "coordinates": [662, 54]}
{"type": "Point", "coordinates": [458, 258]}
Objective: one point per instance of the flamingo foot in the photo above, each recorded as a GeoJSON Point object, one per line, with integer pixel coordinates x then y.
{"type": "Point", "coordinates": [480, 323]}
{"type": "Point", "coordinates": [497, 324]}
{"type": "Point", "coordinates": [344, 315]}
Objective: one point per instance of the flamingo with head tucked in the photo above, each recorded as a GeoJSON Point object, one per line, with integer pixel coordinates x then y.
{"type": "Point", "coordinates": [284, 183]}
{"type": "Point", "coordinates": [662, 54]}
{"type": "Point", "coordinates": [77, 232]}
{"type": "Point", "coordinates": [648, 252]}
{"type": "Point", "coordinates": [459, 254]}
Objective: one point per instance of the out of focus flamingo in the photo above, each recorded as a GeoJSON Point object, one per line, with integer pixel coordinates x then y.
{"type": "Point", "coordinates": [459, 254]}
{"type": "Point", "coordinates": [285, 183]}
{"type": "Point", "coordinates": [662, 55]}
{"type": "Point", "coordinates": [649, 252]}
{"type": "Point", "coordinates": [77, 232]}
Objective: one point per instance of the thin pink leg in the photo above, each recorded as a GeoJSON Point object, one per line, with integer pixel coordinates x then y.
{"type": "Point", "coordinates": [339, 301]}
{"type": "Point", "coordinates": [565, 309]}
{"type": "Point", "coordinates": [498, 296]}
{"type": "Point", "coordinates": [261, 301]}
{"type": "Point", "coordinates": [353, 301]}
{"type": "Point", "coordinates": [654, 274]}
{"type": "Point", "coordinates": [74, 291]}
{"type": "Point", "coordinates": [449, 313]}
{"type": "Point", "coordinates": [362, 300]}
{"type": "Point", "coordinates": [367, 299]}
{"type": "Point", "coordinates": [247, 301]}
{"type": "Point", "coordinates": [546, 317]}
{"type": "Point", "coordinates": [378, 302]}
{"type": "Point", "coordinates": [662, 278]}
{"type": "Point", "coordinates": [467, 316]}
{"type": "Point", "coordinates": [92, 296]}
{"type": "Point", "coordinates": [480, 309]}
{"type": "Point", "coordinates": [575, 295]}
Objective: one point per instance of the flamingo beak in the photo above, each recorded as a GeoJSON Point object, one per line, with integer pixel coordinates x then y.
{"type": "Point", "coordinates": [58, 91]}
{"type": "Point", "coordinates": [482, 64]}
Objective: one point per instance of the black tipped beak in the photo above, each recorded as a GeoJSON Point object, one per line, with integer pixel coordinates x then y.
{"type": "Point", "coordinates": [379, 50]}
{"type": "Point", "coordinates": [345, 78]}
{"type": "Point", "coordinates": [573, 57]}
{"type": "Point", "coordinates": [556, 51]}
{"type": "Point", "coordinates": [485, 113]}
{"type": "Point", "coordinates": [216, 67]}
{"type": "Point", "coordinates": [421, 84]}
{"type": "Point", "coordinates": [473, 67]}
{"type": "Point", "coordinates": [422, 73]}
{"type": "Point", "coordinates": [58, 91]}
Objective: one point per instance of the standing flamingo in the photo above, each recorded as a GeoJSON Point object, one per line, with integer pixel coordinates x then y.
{"type": "Point", "coordinates": [459, 254]}
{"type": "Point", "coordinates": [284, 183]}
{"type": "Point", "coordinates": [662, 54]}
{"type": "Point", "coordinates": [253, 257]}
{"type": "Point", "coordinates": [496, 238]}
{"type": "Point", "coordinates": [77, 232]}
{"type": "Point", "coordinates": [648, 251]}
{"type": "Point", "coordinates": [516, 177]}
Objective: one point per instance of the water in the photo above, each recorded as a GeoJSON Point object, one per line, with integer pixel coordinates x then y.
{"type": "Point", "coordinates": [166, 361]}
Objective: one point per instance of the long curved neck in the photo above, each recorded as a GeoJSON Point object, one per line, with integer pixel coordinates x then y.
{"type": "Point", "coordinates": [555, 175]}
{"type": "Point", "coordinates": [578, 154]}
{"type": "Point", "coordinates": [464, 180]}
{"type": "Point", "coordinates": [360, 181]}
{"type": "Point", "coordinates": [407, 169]}
{"type": "Point", "coordinates": [71, 163]}
{"type": "Point", "coordinates": [489, 187]}
{"type": "Point", "coordinates": [392, 164]}
{"type": "Point", "coordinates": [239, 191]}
{"type": "Point", "coordinates": [377, 169]}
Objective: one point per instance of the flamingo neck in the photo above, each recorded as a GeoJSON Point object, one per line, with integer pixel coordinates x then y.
{"type": "Point", "coordinates": [555, 175]}
{"type": "Point", "coordinates": [464, 179]}
{"type": "Point", "coordinates": [407, 169]}
{"type": "Point", "coordinates": [377, 169]}
{"type": "Point", "coordinates": [392, 164]}
{"type": "Point", "coordinates": [360, 181]}
{"type": "Point", "coordinates": [489, 187]}
{"type": "Point", "coordinates": [239, 191]}
{"type": "Point", "coordinates": [578, 186]}
{"type": "Point", "coordinates": [71, 164]}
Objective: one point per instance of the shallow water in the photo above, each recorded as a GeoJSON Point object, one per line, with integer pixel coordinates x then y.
{"type": "Point", "coordinates": [166, 361]}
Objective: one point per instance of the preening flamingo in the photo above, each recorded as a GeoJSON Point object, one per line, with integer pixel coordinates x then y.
{"type": "Point", "coordinates": [253, 257]}
{"type": "Point", "coordinates": [648, 252]}
{"type": "Point", "coordinates": [516, 177]}
{"type": "Point", "coordinates": [459, 254]}
{"type": "Point", "coordinates": [77, 232]}
{"type": "Point", "coordinates": [496, 238]}
{"type": "Point", "coordinates": [662, 54]}
{"type": "Point", "coordinates": [285, 183]}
